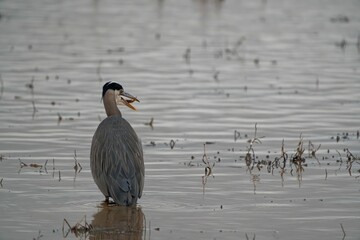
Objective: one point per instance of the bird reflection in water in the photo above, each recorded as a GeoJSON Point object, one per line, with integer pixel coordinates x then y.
{"type": "Point", "coordinates": [118, 222]}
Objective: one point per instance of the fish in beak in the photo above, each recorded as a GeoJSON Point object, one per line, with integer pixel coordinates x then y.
{"type": "Point", "coordinates": [124, 98]}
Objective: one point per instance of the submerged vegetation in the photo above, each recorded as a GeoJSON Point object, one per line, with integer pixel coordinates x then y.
{"type": "Point", "coordinates": [292, 162]}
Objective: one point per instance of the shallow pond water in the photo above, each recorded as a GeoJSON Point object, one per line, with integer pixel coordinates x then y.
{"type": "Point", "coordinates": [207, 72]}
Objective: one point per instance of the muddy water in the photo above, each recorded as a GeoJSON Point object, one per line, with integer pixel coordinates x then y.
{"type": "Point", "coordinates": [207, 71]}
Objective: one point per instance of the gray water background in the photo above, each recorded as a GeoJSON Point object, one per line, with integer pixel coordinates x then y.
{"type": "Point", "coordinates": [202, 69]}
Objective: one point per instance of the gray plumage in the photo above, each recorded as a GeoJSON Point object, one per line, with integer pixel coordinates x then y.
{"type": "Point", "coordinates": [116, 160]}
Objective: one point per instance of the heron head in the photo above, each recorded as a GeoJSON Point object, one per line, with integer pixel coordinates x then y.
{"type": "Point", "coordinates": [121, 97]}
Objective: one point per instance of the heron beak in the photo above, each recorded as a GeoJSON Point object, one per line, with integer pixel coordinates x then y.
{"type": "Point", "coordinates": [126, 99]}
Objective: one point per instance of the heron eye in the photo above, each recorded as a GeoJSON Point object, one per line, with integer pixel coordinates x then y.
{"type": "Point", "coordinates": [118, 93]}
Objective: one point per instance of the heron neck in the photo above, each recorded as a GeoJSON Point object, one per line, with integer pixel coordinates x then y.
{"type": "Point", "coordinates": [110, 104]}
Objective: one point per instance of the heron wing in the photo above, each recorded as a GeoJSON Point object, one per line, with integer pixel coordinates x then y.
{"type": "Point", "coordinates": [117, 161]}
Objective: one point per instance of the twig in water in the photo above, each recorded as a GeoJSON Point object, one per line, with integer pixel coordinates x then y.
{"type": "Point", "coordinates": [31, 87]}
{"type": "Point", "coordinates": [255, 179]}
{"type": "Point", "coordinates": [216, 76]}
{"type": "Point", "coordinates": [172, 144]}
{"type": "Point", "coordinates": [350, 160]}
{"type": "Point", "coordinates": [298, 159]}
{"type": "Point", "coordinates": [247, 237]}
{"type": "Point", "coordinates": [77, 166]}
{"type": "Point", "coordinates": [236, 135]}
{"type": "Point", "coordinates": [34, 109]}
{"type": "Point", "coordinates": [255, 139]}
{"type": "Point", "coordinates": [326, 174]}
{"type": "Point", "coordinates": [187, 55]}
{"type": "Point", "coordinates": [44, 167]}
{"type": "Point", "coordinates": [1, 87]}
{"type": "Point", "coordinates": [344, 233]}
{"type": "Point", "coordinates": [39, 236]}
{"type": "Point", "coordinates": [276, 163]}
{"type": "Point", "coordinates": [31, 165]}
{"type": "Point", "coordinates": [208, 169]}
{"type": "Point", "coordinates": [150, 123]}
{"type": "Point", "coordinates": [1, 181]}
{"type": "Point", "coordinates": [53, 173]}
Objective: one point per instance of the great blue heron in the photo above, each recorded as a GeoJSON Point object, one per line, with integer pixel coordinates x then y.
{"type": "Point", "coordinates": [116, 157]}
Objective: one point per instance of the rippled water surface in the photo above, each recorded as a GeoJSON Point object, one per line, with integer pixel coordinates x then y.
{"type": "Point", "coordinates": [206, 71]}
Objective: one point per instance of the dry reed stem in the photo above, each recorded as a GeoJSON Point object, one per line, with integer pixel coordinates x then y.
{"type": "Point", "coordinates": [298, 159]}
{"type": "Point", "coordinates": [250, 158]}
{"type": "Point", "coordinates": [78, 229]}
{"type": "Point", "coordinates": [312, 151]}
